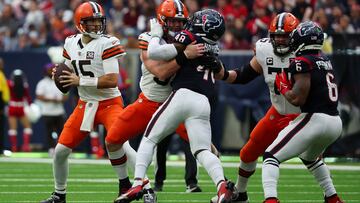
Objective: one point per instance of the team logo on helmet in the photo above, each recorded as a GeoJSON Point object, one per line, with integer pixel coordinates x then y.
{"type": "Point", "coordinates": [210, 22]}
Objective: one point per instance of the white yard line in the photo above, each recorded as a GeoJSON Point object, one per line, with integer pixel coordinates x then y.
{"type": "Point", "coordinates": [169, 163]}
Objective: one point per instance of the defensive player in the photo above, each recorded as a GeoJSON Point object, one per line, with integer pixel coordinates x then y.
{"type": "Point", "coordinates": [272, 55]}
{"type": "Point", "coordinates": [312, 87]}
{"type": "Point", "coordinates": [189, 102]}
{"type": "Point", "coordinates": [135, 117]}
{"type": "Point", "coordinates": [93, 57]}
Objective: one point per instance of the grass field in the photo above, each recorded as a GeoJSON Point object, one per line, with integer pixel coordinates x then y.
{"type": "Point", "coordinates": [31, 182]}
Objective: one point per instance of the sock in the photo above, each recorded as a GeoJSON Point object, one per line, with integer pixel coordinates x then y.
{"type": "Point", "coordinates": [26, 136]}
{"type": "Point", "coordinates": [13, 140]}
{"type": "Point", "coordinates": [61, 167]}
{"type": "Point", "coordinates": [212, 165]}
{"type": "Point", "coordinates": [131, 155]}
{"type": "Point", "coordinates": [245, 171]}
{"type": "Point", "coordinates": [118, 161]}
{"type": "Point", "coordinates": [143, 158]}
{"type": "Point", "coordinates": [322, 175]}
{"type": "Point", "coordinates": [270, 176]}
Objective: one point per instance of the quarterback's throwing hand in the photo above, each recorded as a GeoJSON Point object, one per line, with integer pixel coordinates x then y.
{"type": "Point", "coordinates": [282, 82]}
{"type": "Point", "coordinates": [156, 29]}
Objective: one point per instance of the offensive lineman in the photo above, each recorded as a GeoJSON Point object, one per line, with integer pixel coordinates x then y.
{"type": "Point", "coordinates": [94, 58]}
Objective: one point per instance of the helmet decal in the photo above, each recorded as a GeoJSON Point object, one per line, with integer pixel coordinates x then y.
{"type": "Point", "coordinates": [210, 23]}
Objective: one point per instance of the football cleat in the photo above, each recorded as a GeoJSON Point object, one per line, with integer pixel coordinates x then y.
{"type": "Point", "coordinates": [158, 187]}
{"type": "Point", "coordinates": [149, 196]}
{"type": "Point", "coordinates": [55, 198]}
{"type": "Point", "coordinates": [124, 186]}
{"type": "Point", "coordinates": [333, 199]}
{"type": "Point", "coordinates": [271, 200]}
{"type": "Point", "coordinates": [237, 197]}
{"type": "Point", "coordinates": [240, 197]}
{"type": "Point", "coordinates": [192, 188]}
{"type": "Point", "coordinates": [134, 193]}
{"type": "Point", "coordinates": [225, 192]}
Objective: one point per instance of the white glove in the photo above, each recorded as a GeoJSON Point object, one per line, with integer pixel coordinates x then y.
{"type": "Point", "coordinates": [156, 29]}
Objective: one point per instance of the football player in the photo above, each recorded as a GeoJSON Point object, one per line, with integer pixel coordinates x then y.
{"type": "Point", "coordinates": [93, 57]}
{"type": "Point", "coordinates": [135, 117]}
{"type": "Point", "coordinates": [272, 55]}
{"type": "Point", "coordinates": [189, 103]}
{"type": "Point", "coordinates": [312, 87]}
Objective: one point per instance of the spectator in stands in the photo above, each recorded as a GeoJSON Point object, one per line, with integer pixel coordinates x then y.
{"type": "Point", "coordinates": [259, 23]}
{"type": "Point", "coordinates": [4, 99]}
{"type": "Point", "coordinates": [19, 98]}
{"type": "Point", "coordinates": [117, 13]}
{"type": "Point", "coordinates": [302, 10]}
{"type": "Point", "coordinates": [51, 102]}
{"type": "Point", "coordinates": [355, 17]}
{"type": "Point", "coordinates": [9, 25]}
{"type": "Point", "coordinates": [192, 6]}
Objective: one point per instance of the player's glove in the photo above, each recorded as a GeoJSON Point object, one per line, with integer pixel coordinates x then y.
{"type": "Point", "coordinates": [156, 29]}
{"type": "Point", "coordinates": [212, 62]}
{"type": "Point", "coordinates": [282, 82]}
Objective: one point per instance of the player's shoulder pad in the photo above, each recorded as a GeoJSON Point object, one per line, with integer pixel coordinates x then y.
{"type": "Point", "coordinates": [111, 47]}
{"type": "Point", "coordinates": [301, 64]}
{"type": "Point", "coordinates": [143, 40]}
{"type": "Point", "coordinates": [263, 47]}
{"type": "Point", "coordinates": [184, 37]}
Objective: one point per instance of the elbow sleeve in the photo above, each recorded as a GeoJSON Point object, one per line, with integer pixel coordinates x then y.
{"type": "Point", "coordinates": [161, 52]}
{"type": "Point", "coordinates": [245, 74]}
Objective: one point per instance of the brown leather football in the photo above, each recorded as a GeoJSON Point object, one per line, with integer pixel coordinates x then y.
{"type": "Point", "coordinates": [59, 71]}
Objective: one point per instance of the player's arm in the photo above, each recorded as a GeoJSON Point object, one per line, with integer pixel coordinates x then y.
{"type": "Point", "coordinates": [241, 75]}
{"type": "Point", "coordinates": [297, 90]}
{"type": "Point", "coordinates": [298, 94]}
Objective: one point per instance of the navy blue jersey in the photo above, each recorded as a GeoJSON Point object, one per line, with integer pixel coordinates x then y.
{"type": "Point", "coordinates": [323, 95]}
{"type": "Point", "coordinates": [192, 75]}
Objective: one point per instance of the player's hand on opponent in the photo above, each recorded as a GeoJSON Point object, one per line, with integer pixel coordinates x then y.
{"type": "Point", "coordinates": [156, 29]}
{"type": "Point", "coordinates": [194, 50]}
{"type": "Point", "coordinates": [283, 84]}
{"type": "Point", "coordinates": [69, 79]}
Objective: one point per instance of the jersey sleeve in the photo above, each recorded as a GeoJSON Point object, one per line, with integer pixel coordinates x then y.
{"type": "Point", "coordinates": [300, 65]}
{"type": "Point", "coordinates": [66, 47]}
{"type": "Point", "coordinates": [144, 40]}
{"type": "Point", "coordinates": [184, 37]}
{"type": "Point", "coordinates": [260, 49]}
{"type": "Point", "coordinates": [112, 48]}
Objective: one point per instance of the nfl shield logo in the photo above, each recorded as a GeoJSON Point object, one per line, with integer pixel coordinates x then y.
{"type": "Point", "coordinates": [90, 55]}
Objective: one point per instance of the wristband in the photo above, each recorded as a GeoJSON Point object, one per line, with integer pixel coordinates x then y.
{"type": "Point", "coordinates": [226, 75]}
{"type": "Point", "coordinates": [181, 58]}
{"type": "Point", "coordinates": [88, 82]}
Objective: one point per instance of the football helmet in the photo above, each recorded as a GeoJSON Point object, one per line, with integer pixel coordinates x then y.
{"type": "Point", "coordinates": [208, 24]}
{"type": "Point", "coordinates": [280, 28]}
{"type": "Point", "coordinates": [172, 15]}
{"type": "Point", "coordinates": [308, 36]}
{"type": "Point", "coordinates": [90, 11]}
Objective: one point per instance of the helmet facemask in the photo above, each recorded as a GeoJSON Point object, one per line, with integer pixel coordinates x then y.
{"type": "Point", "coordinates": [280, 41]}
{"type": "Point", "coordinates": [94, 27]}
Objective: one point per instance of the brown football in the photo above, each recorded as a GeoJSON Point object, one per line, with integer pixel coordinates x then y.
{"type": "Point", "coordinates": [59, 71]}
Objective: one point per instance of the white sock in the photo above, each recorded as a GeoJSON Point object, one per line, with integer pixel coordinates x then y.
{"type": "Point", "coordinates": [118, 162]}
{"type": "Point", "coordinates": [322, 175]}
{"type": "Point", "coordinates": [143, 158]}
{"type": "Point", "coordinates": [131, 161]}
{"type": "Point", "coordinates": [245, 171]}
{"type": "Point", "coordinates": [61, 167]}
{"type": "Point", "coordinates": [270, 176]}
{"type": "Point", "coordinates": [212, 165]}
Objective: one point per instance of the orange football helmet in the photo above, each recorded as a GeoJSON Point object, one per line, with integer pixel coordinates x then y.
{"type": "Point", "coordinates": [172, 15]}
{"type": "Point", "coordinates": [90, 11]}
{"type": "Point", "coordinates": [280, 28]}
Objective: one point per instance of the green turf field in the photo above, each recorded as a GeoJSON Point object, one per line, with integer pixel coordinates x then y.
{"type": "Point", "coordinates": [31, 182]}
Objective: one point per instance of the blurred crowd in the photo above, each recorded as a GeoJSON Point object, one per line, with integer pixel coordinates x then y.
{"type": "Point", "coordinates": [29, 24]}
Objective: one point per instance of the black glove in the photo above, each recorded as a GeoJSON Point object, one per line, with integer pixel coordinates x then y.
{"type": "Point", "coordinates": [212, 63]}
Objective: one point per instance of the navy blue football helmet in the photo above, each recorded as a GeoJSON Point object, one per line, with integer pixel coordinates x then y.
{"type": "Point", "coordinates": [208, 24]}
{"type": "Point", "coordinates": [308, 36]}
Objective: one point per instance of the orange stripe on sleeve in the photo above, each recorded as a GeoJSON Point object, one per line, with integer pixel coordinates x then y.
{"type": "Point", "coordinates": [66, 55]}
{"type": "Point", "coordinates": [113, 51]}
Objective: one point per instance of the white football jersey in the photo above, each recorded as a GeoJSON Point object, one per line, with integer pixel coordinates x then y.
{"type": "Point", "coordinates": [272, 64]}
{"type": "Point", "coordinates": [87, 61]}
{"type": "Point", "coordinates": [152, 88]}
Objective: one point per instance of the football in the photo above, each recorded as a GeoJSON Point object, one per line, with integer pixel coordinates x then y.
{"type": "Point", "coordinates": [59, 72]}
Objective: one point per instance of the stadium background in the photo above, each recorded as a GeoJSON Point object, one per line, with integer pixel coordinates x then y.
{"type": "Point", "coordinates": [33, 31]}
